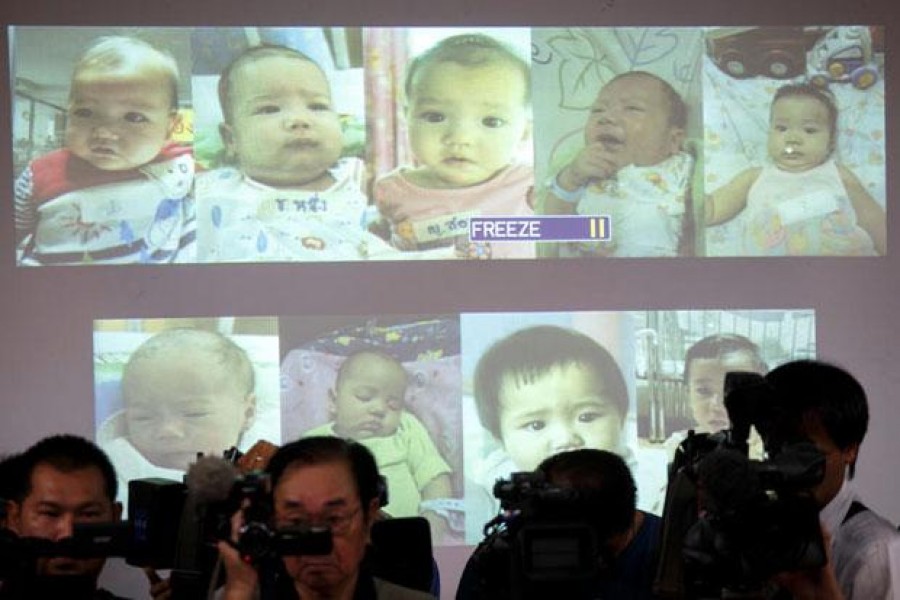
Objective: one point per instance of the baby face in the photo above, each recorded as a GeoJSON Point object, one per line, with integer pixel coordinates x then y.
{"type": "Point", "coordinates": [178, 405]}
{"type": "Point", "coordinates": [630, 120]}
{"type": "Point", "coordinates": [565, 409]}
{"type": "Point", "coordinates": [118, 121]}
{"type": "Point", "coordinates": [283, 129]}
{"type": "Point", "coordinates": [466, 123]}
{"type": "Point", "coordinates": [369, 397]}
{"type": "Point", "coordinates": [706, 385]}
{"type": "Point", "coordinates": [799, 133]}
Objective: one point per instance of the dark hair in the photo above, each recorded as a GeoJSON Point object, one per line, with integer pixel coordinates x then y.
{"type": "Point", "coordinates": [253, 54]}
{"type": "Point", "coordinates": [678, 113]}
{"type": "Point", "coordinates": [812, 389]}
{"type": "Point", "coordinates": [720, 345]}
{"type": "Point", "coordinates": [608, 490]}
{"type": "Point", "coordinates": [529, 354]}
{"type": "Point", "coordinates": [66, 453]}
{"type": "Point", "coordinates": [808, 90]}
{"type": "Point", "coordinates": [318, 450]}
{"type": "Point", "coordinates": [468, 50]}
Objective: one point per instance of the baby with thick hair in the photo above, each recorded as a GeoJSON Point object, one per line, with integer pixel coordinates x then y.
{"type": "Point", "coordinates": [540, 391]}
{"type": "Point", "coordinates": [367, 405]}
{"type": "Point", "coordinates": [468, 113]}
{"type": "Point", "coordinates": [120, 190]}
{"type": "Point", "coordinates": [632, 168]}
{"type": "Point", "coordinates": [804, 203]}
{"type": "Point", "coordinates": [291, 195]}
{"type": "Point", "coordinates": [184, 391]}
{"type": "Point", "coordinates": [546, 389]}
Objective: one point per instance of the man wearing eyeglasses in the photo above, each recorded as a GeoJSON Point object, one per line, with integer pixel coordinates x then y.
{"type": "Point", "coordinates": [321, 481]}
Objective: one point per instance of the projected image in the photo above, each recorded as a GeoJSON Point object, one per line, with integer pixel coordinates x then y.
{"type": "Point", "coordinates": [347, 144]}
{"type": "Point", "coordinates": [392, 384]}
{"type": "Point", "coordinates": [629, 382]}
{"type": "Point", "coordinates": [538, 384]}
{"type": "Point", "coordinates": [794, 132]}
{"type": "Point", "coordinates": [103, 164]}
{"type": "Point", "coordinates": [281, 126]}
{"type": "Point", "coordinates": [682, 358]}
{"type": "Point", "coordinates": [457, 140]}
{"type": "Point", "coordinates": [166, 389]}
{"type": "Point", "coordinates": [617, 133]}
{"type": "Point", "coordinates": [448, 404]}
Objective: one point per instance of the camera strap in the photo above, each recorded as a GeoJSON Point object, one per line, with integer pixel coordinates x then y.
{"type": "Point", "coordinates": [856, 507]}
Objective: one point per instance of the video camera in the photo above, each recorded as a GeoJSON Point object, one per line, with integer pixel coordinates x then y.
{"type": "Point", "coordinates": [546, 541]}
{"type": "Point", "coordinates": [731, 523]}
{"type": "Point", "coordinates": [175, 525]}
{"type": "Point", "coordinates": [258, 539]}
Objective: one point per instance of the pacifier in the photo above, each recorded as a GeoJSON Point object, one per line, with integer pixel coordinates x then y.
{"type": "Point", "coordinates": [790, 149]}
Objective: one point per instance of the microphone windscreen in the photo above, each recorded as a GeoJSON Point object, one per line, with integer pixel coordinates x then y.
{"type": "Point", "coordinates": [210, 479]}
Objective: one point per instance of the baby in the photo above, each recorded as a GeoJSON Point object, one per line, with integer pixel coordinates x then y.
{"type": "Point", "coordinates": [468, 113]}
{"type": "Point", "coordinates": [804, 202]}
{"type": "Point", "coordinates": [120, 190]}
{"type": "Point", "coordinates": [705, 365]}
{"type": "Point", "coordinates": [631, 168]}
{"type": "Point", "coordinates": [540, 391]}
{"type": "Point", "coordinates": [184, 391]}
{"type": "Point", "coordinates": [367, 405]}
{"type": "Point", "coordinates": [291, 195]}
{"type": "Point", "coordinates": [547, 389]}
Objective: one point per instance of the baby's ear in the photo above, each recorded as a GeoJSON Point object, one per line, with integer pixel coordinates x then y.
{"type": "Point", "coordinates": [529, 129]}
{"type": "Point", "coordinates": [249, 411]}
{"type": "Point", "coordinates": [175, 118]}
{"type": "Point", "coordinates": [332, 404]}
{"type": "Point", "coordinates": [677, 136]}
{"type": "Point", "coordinates": [227, 138]}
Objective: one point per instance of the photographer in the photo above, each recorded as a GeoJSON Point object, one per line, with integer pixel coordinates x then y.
{"type": "Point", "coordinates": [604, 500]}
{"type": "Point", "coordinates": [58, 482]}
{"type": "Point", "coordinates": [826, 405]}
{"type": "Point", "coordinates": [321, 481]}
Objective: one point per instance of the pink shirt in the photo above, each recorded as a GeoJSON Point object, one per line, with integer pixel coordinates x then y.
{"type": "Point", "coordinates": [424, 218]}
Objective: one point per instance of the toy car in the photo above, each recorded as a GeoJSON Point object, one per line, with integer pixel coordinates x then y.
{"type": "Point", "coordinates": [843, 54]}
{"type": "Point", "coordinates": [777, 52]}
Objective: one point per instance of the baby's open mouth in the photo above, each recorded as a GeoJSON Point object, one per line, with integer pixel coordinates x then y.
{"type": "Point", "coordinates": [611, 142]}
{"type": "Point", "coordinates": [103, 150]}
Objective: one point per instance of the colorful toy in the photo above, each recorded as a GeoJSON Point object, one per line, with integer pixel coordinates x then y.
{"type": "Point", "coordinates": [843, 54]}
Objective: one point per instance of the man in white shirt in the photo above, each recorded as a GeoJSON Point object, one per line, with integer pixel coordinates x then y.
{"type": "Point", "coordinates": [828, 406]}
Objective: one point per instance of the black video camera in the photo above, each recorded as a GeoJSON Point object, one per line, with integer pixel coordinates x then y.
{"type": "Point", "coordinates": [543, 543]}
{"type": "Point", "coordinates": [730, 523]}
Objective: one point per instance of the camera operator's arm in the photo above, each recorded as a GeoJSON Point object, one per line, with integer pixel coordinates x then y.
{"type": "Point", "coordinates": [813, 584]}
{"type": "Point", "coordinates": [160, 589]}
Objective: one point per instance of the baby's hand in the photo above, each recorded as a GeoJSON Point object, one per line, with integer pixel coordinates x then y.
{"type": "Point", "coordinates": [593, 163]}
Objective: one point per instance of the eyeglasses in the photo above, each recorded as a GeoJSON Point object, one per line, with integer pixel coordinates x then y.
{"type": "Point", "coordinates": [338, 522]}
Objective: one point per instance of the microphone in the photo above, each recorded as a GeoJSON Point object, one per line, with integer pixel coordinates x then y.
{"type": "Point", "coordinates": [210, 480]}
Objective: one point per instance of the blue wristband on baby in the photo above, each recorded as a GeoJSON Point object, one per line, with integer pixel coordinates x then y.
{"type": "Point", "coordinates": [552, 185]}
